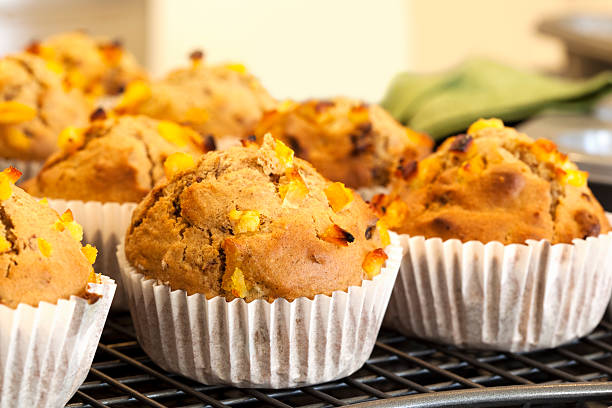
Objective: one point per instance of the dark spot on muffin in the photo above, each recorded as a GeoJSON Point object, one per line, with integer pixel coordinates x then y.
{"type": "Point", "coordinates": [275, 178]}
{"type": "Point", "coordinates": [121, 88]}
{"type": "Point", "coordinates": [250, 139]}
{"type": "Point", "coordinates": [406, 170]}
{"type": "Point", "coordinates": [442, 199]}
{"type": "Point", "coordinates": [337, 235]}
{"type": "Point", "coordinates": [365, 127]}
{"type": "Point", "coordinates": [199, 179]}
{"type": "Point", "coordinates": [380, 175]}
{"type": "Point", "coordinates": [294, 144]}
{"type": "Point", "coordinates": [322, 105]}
{"type": "Point", "coordinates": [369, 231]}
{"type": "Point", "coordinates": [98, 114]}
{"type": "Point", "coordinates": [33, 47]}
{"type": "Point", "coordinates": [442, 224]}
{"type": "Point", "coordinates": [196, 55]}
{"type": "Point", "coordinates": [507, 183]}
{"type": "Point", "coordinates": [362, 140]}
{"type": "Point", "coordinates": [586, 197]}
{"type": "Point", "coordinates": [588, 223]}
{"type": "Point", "coordinates": [209, 143]}
{"type": "Point", "coordinates": [460, 143]}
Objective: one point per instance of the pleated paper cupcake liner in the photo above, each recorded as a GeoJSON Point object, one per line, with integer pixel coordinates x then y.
{"type": "Point", "coordinates": [516, 297]}
{"type": "Point", "coordinates": [259, 344]}
{"type": "Point", "coordinates": [104, 225]}
{"type": "Point", "coordinates": [28, 168]}
{"type": "Point", "coordinates": [46, 351]}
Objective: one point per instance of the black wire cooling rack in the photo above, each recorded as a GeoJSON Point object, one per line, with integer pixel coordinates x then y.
{"type": "Point", "coordinates": [401, 372]}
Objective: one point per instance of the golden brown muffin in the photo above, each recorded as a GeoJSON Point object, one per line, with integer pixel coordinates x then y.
{"type": "Point", "coordinates": [255, 223]}
{"type": "Point", "coordinates": [34, 108]}
{"type": "Point", "coordinates": [218, 100]}
{"type": "Point", "coordinates": [494, 184]}
{"type": "Point", "coordinates": [94, 65]}
{"type": "Point", "coordinates": [41, 257]}
{"type": "Point", "coordinates": [346, 140]}
{"type": "Point", "coordinates": [114, 159]}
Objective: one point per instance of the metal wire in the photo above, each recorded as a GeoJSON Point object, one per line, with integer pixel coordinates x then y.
{"type": "Point", "coordinates": [401, 371]}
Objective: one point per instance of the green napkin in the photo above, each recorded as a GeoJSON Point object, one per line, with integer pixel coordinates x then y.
{"type": "Point", "coordinates": [447, 103]}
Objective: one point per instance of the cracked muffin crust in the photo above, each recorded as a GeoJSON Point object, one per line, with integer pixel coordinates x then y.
{"type": "Point", "coordinates": [217, 100]}
{"type": "Point", "coordinates": [34, 108]}
{"type": "Point", "coordinates": [346, 140]}
{"type": "Point", "coordinates": [95, 65]}
{"type": "Point", "coordinates": [493, 184]}
{"type": "Point", "coordinates": [115, 159]}
{"type": "Point", "coordinates": [41, 257]}
{"type": "Point", "coordinates": [254, 223]}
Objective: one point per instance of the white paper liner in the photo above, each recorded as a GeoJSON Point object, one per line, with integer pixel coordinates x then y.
{"type": "Point", "coordinates": [367, 193]}
{"type": "Point", "coordinates": [104, 226]}
{"type": "Point", "coordinates": [28, 168]}
{"type": "Point", "coordinates": [46, 351]}
{"type": "Point", "coordinates": [260, 344]}
{"type": "Point", "coordinates": [516, 297]}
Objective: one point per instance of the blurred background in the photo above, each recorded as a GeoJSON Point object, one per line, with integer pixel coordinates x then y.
{"type": "Point", "coordinates": [320, 48]}
{"type": "Point", "coordinates": [316, 47]}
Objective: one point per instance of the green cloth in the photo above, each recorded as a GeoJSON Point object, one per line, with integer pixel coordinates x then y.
{"type": "Point", "coordinates": [447, 103]}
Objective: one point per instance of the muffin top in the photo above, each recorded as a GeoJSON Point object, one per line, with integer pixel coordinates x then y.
{"type": "Point", "coordinates": [95, 65]}
{"type": "Point", "coordinates": [218, 100]}
{"type": "Point", "coordinates": [114, 159]}
{"type": "Point", "coordinates": [41, 257]}
{"type": "Point", "coordinates": [255, 223]}
{"type": "Point", "coordinates": [34, 108]}
{"type": "Point", "coordinates": [493, 184]}
{"type": "Point", "coordinates": [346, 140]}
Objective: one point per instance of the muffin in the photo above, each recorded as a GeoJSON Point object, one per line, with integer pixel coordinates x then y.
{"type": "Point", "coordinates": [95, 65]}
{"type": "Point", "coordinates": [47, 286]}
{"type": "Point", "coordinates": [218, 100]}
{"type": "Point", "coordinates": [103, 170]}
{"type": "Point", "coordinates": [494, 184]}
{"type": "Point", "coordinates": [505, 245]}
{"type": "Point", "coordinates": [116, 159]}
{"type": "Point", "coordinates": [34, 108]}
{"type": "Point", "coordinates": [346, 140]}
{"type": "Point", "coordinates": [257, 238]}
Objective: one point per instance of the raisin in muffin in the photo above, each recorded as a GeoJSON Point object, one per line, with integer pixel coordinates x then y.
{"type": "Point", "coordinates": [116, 159]}
{"type": "Point", "coordinates": [346, 140]}
{"type": "Point", "coordinates": [494, 184]}
{"type": "Point", "coordinates": [95, 65]}
{"type": "Point", "coordinates": [218, 100]}
{"type": "Point", "coordinates": [41, 257]}
{"type": "Point", "coordinates": [255, 223]}
{"type": "Point", "coordinates": [34, 108]}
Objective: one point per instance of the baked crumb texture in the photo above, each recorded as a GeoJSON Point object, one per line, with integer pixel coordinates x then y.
{"type": "Point", "coordinates": [255, 222]}
{"type": "Point", "coordinates": [114, 159]}
{"type": "Point", "coordinates": [215, 100]}
{"type": "Point", "coordinates": [344, 139]}
{"type": "Point", "coordinates": [41, 256]}
{"type": "Point", "coordinates": [95, 65]}
{"type": "Point", "coordinates": [34, 107]}
{"type": "Point", "coordinates": [493, 184]}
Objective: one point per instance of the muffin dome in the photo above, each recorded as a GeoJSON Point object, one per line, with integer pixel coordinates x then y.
{"type": "Point", "coordinates": [255, 223]}
{"type": "Point", "coordinates": [41, 257]}
{"type": "Point", "coordinates": [346, 140]}
{"type": "Point", "coordinates": [114, 159]}
{"type": "Point", "coordinates": [493, 184]}
{"type": "Point", "coordinates": [97, 66]}
{"type": "Point", "coordinates": [218, 100]}
{"type": "Point", "coordinates": [34, 108]}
